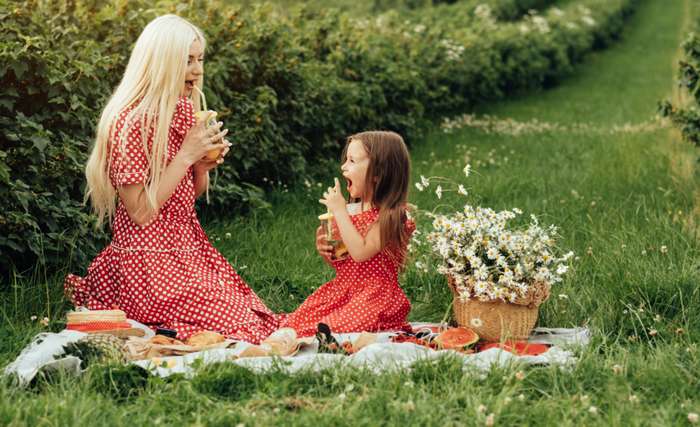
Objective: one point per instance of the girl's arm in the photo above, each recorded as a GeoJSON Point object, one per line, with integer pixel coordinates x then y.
{"type": "Point", "coordinates": [322, 246]}
{"type": "Point", "coordinates": [360, 248]}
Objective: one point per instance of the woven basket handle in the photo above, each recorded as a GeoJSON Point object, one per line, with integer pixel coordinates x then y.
{"type": "Point", "coordinates": [453, 285]}
{"type": "Point", "coordinates": [537, 294]}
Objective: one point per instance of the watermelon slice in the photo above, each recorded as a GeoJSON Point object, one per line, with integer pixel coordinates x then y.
{"type": "Point", "coordinates": [521, 348]}
{"type": "Point", "coordinates": [456, 339]}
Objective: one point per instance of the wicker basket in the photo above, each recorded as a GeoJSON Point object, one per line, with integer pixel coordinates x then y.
{"type": "Point", "coordinates": [497, 320]}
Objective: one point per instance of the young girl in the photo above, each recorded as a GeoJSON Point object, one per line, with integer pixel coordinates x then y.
{"type": "Point", "coordinates": [145, 171]}
{"type": "Point", "coordinates": [365, 294]}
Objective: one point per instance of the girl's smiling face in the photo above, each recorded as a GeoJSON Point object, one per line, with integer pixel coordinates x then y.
{"type": "Point", "coordinates": [355, 169]}
{"type": "Point", "coordinates": [195, 67]}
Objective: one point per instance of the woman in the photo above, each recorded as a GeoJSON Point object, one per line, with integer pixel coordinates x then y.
{"type": "Point", "coordinates": [144, 173]}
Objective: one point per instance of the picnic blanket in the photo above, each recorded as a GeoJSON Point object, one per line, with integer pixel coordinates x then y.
{"type": "Point", "coordinates": [45, 350]}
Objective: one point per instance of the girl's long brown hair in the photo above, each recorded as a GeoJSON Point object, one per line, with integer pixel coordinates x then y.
{"type": "Point", "coordinates": [387, 179]}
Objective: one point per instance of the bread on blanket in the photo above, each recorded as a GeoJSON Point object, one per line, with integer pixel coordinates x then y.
{"type": "Point", "coordinates": [163, 340]}
{"type": "Point", "coordinates": [255, 351]}
{"type": "Point", "coordinates": [204, 338]}
{"type": "Point", "coordinates": [365, 339]}
{"type": "Point", "coordinates": [282, 342]}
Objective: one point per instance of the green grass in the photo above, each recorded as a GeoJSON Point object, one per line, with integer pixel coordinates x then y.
{"type": "Point", "coordinates": [623, 195]}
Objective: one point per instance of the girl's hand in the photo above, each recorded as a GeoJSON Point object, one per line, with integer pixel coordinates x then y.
{"type": "Point", "coordinates": [322, 246]}
{"type": "Point", "coordinates": [199, 140]}
{"type": "Point", "coordinates": [333, 198]}
{"type": "Point", "coordinates": [205, 165]}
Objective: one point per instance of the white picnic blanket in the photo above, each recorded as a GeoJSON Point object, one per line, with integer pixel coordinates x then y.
{"type": "Point", "coordinates": [44, 353]}
{"type": "Point", "coordinates": [45, 350]}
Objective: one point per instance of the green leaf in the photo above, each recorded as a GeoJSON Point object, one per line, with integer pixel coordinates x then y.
{"type": "Point", "coordinates": [19, 69]}
{"type": "Point", "coordinates": [40, 142]}
{"type": "Point", "coordinates": [7, 103]}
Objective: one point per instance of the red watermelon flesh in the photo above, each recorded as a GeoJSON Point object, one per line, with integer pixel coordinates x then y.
{"type": "Point", "coordinates": [521, 348]}
{"type": "Point", "coordinates": [456, 339]}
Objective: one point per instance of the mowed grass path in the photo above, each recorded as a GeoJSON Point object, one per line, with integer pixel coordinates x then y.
{"type": "Point", "coordinates": [623, 200]}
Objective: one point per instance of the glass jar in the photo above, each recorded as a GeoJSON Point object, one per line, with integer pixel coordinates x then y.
{"type": "Point", "coordinates": [333, 239]}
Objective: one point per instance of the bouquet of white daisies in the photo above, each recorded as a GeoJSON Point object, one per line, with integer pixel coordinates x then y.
{"type": "Point", "coordinates": [488, 259]}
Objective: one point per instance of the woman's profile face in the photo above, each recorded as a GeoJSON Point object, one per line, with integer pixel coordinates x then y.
{"type": "Point", "coordinates": [195, 67]}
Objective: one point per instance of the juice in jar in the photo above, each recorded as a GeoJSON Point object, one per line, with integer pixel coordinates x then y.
{"type": "Point", "coordinates": [210, 118]}
{"type": "Point", "coordinates": [333, 239]}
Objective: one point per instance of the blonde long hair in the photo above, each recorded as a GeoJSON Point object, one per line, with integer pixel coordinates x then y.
{"type": "Point", "coordinates": [152, 83]}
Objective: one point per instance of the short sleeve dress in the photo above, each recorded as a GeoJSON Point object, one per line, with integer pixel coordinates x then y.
{"type": "Point", "coordinates": [364, 296]}
{"type": "Point", "coordinates": [166, 273]}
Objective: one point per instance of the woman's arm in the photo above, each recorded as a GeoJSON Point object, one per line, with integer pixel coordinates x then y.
{"type": "Point", "coordinates": [201, 182]}
{"type": "Point", "coordinates": [198, 141]}
{"type": "Point", "coordinates": [202, 168]}
{"type": "Point", "coordinates": [134, 196]}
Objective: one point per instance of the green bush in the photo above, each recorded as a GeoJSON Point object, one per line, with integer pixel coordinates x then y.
{"type": "Point", "coordinates": [502, 9]}
{"type": "Point", "coordinates": [53, 78]}
{"type": "Point", "coordinates": [687, 117]}
{"type": "Point", "coordinates": [289, 88]}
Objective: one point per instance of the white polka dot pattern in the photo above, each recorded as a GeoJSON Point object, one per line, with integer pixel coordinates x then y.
{"type": "Point", "coordinates": [166, 273]}
{"type": "Point", "coordinates": [364, 296]}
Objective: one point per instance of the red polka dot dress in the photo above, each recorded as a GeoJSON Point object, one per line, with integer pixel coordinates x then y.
{"type": "Point", "coordinates": [364, 296]}
{"type": "Point", "coordinates": [166, 273]}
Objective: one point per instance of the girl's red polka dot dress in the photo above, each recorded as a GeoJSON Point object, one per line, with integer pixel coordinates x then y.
{"type": "Point", "coordinates": [364, 296]}
{"type": "Point", "coordinates": [166, 273]}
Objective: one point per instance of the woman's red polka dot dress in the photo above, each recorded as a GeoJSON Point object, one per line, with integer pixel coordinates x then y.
{"type": "Point", "coordinates": [364, 296]}
{"type": "Point", "coordinates": [166, 273]}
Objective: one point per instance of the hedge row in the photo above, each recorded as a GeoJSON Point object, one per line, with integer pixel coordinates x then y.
{"type": "Point", "coordinates": [288, 87]}
{"type": "Point", "coordinates": [507, 10]}
{"type": "Point", "coordinates": [686, 116]}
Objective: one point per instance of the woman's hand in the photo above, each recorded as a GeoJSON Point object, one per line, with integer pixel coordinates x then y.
{"type": "Point", "coordinates": [333, 198]}
{"type": "Point", "coordinates": [201, 139]}
{"type": "Point", "coordinates": [205, 164]}
{"type": "Point", "coordinates": [322, 246]}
